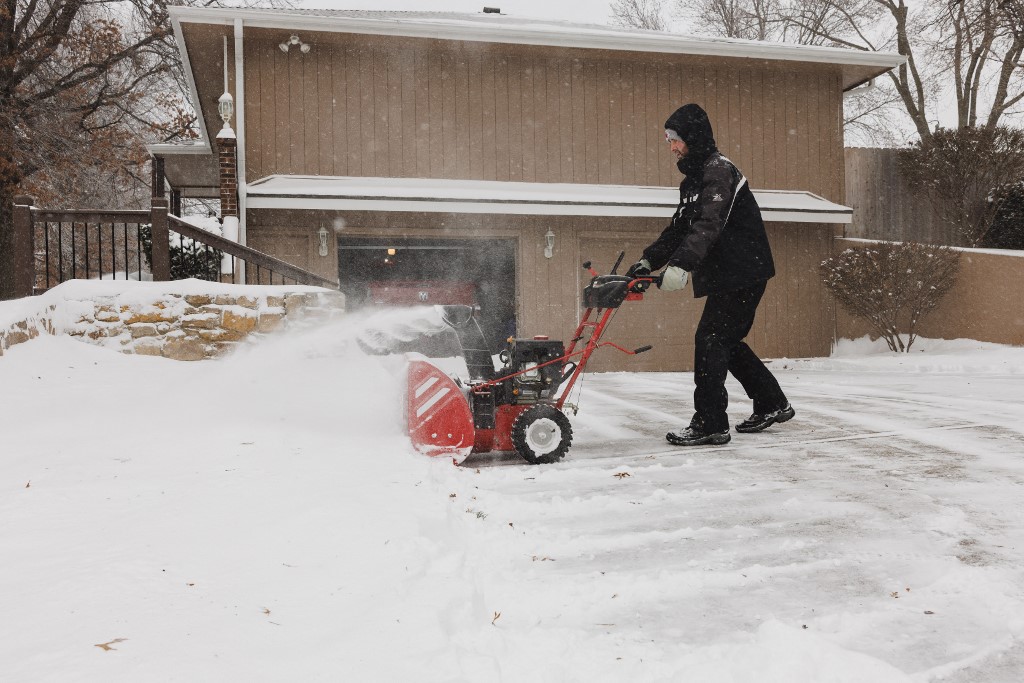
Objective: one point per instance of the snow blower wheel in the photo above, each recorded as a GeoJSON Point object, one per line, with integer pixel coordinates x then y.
{"type": "Point", "coordinates": [542, 434]}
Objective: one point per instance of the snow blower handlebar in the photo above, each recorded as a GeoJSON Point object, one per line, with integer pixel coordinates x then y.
{"type": "Point", "coordinates": [637, 285]}
{"type": "Point", "coordinates": [602, 297]}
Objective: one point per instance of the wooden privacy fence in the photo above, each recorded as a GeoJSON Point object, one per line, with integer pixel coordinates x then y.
{"type": "Point", "coordinates": [52, 246]}
{"type": "Point", "coordinates": [884, 207]}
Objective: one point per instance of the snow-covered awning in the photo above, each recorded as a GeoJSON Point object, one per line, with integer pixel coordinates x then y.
{"type": "Point", "coordinates": [486, 196]}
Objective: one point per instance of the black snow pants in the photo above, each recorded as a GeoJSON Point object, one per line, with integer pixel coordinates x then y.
{"type": "Point", "coordinates": [719, 348]}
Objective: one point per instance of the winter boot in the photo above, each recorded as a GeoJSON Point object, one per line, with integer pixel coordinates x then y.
{"type": "Point", "coordinates": [694, 436]}
{"type": "Point", "coordinates": [757, 423]}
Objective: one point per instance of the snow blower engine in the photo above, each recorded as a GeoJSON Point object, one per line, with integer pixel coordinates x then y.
{"type": "Point", "coordinates": [519, 406]}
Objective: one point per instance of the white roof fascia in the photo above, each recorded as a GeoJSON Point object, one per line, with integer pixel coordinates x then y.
{"type": "Point", "coordinates": [576, 36]}
{"type": "Point", "coordinates": [172, 149]}
{"type": "Point", "coordinates": [418, 195]}
{"type": "Point", "coordinates": [193, 92]}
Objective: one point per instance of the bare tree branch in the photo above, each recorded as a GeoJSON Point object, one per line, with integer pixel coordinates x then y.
{"type": "Point", "coordinates": [645, 14]}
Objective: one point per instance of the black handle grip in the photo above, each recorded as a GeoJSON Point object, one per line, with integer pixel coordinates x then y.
{"type": "Point", "coordinates": [644, 282]}
{"type": "Point", "coordinates": [586, 265]}
{"type": "Point", "coordinates": [643, 348]}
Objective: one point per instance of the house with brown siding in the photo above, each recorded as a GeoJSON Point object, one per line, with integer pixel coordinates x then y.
{"type": "Point", "coordinates": [431, 157]}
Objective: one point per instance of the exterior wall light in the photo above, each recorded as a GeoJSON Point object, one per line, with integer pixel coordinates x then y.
{"type": "Point", "coordinates": [226, 104]}
{"type": "Point", "coordinates": [294, 40]}
{"type": "Point", "coordinates": [549, 240]}
{"type": "Point", "coordinates": [322, 234]}
{"type": "Point", "coordinates": [226, 107]}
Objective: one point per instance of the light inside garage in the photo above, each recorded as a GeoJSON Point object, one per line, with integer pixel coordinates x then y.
{"type": "Point", "coordinates": [433, 271]}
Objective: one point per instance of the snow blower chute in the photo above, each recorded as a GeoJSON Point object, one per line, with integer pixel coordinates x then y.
{"type": "Point", "coordinates": [518, 407]}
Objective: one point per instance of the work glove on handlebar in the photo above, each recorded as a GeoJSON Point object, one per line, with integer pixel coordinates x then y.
{"type": "Point", "coordinates": [673, 278]}
{"type": "Point", "coordinates": [641, 268]}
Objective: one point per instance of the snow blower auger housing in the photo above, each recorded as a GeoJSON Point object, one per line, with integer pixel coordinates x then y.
{"type": "Point", "coordinates": [520, 406]}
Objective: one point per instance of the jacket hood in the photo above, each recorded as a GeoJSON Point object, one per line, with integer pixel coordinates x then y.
{"type": "Point", "coordinates": [692, 124]}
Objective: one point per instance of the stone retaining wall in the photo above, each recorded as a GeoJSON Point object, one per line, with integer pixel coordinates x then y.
{"type": "Point", "coordinates": [175, 326]}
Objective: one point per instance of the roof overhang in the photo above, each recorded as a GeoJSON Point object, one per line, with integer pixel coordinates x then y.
{"type": "Point", "coordinates": [336, 193]}
{"type": "Point", "coordinates": [190, 168]}
{"type": "Point", "coordinates": [858, 66]}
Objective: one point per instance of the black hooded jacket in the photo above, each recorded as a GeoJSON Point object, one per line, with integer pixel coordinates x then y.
{"type": "Point", "coordinates": [716, 232]}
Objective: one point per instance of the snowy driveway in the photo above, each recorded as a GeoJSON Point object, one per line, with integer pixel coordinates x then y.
{"type": "Point", "coordinates": [887, 518]}
{"type": "Point", "coordinates": [293, 536]}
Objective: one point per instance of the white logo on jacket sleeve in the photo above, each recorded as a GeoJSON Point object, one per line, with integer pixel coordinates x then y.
{"type": "Point", "coordinates": [717, 198]}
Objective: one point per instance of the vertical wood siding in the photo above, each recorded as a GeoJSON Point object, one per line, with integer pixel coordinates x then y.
{"type": "Point", "coordinates": [366, 106]}
{"type": "Point", "coordinates": [796, 318]}
{"type": "Point", "coordinates": [884, 206]}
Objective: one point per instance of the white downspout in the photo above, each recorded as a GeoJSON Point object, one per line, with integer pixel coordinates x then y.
{"type": "Point", "coordinates": [865, 87]}
{"type": "Point", "coordinates": [240, 133]}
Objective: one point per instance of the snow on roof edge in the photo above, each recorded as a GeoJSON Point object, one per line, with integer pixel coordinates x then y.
{"type": "Point", "coordinates": [488, 196]}
{"type": "Point", "coordinates": [486, 28]}
{"type": "Point", "coordinates": [1018, 253]}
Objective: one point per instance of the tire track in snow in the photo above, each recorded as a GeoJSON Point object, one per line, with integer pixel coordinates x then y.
{"type": "Point", "coordinates": [809, 442]}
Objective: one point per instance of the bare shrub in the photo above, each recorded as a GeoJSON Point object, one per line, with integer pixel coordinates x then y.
{"type": "Point", "coordinates": [957, 169]}
{"type": "Point", "coordinates": [892, 285]}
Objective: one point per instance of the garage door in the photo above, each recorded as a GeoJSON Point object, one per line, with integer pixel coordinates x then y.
{"type": "Point", "coordinates": [415, 271]}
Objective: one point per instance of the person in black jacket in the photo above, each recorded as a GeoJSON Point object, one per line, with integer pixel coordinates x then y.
{"type": "Point", "coordinates": [717, 235]}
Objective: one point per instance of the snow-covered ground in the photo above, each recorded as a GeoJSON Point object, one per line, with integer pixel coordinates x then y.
{"type": "Point", "coordinates": [262, 518]}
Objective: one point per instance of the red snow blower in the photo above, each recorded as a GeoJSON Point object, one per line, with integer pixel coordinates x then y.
{"type": "Point", "coordinates": [520, 406]}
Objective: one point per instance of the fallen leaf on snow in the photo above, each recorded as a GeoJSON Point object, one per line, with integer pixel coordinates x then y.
{"type": "Point", "coordinates": [622, 475]}
{"type": "Point", "coordinates": [497, 615]}
{"type": "Point", "coordinates": [107, 646]}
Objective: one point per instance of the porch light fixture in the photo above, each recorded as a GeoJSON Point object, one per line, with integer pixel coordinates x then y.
{"type": "Point", "coordinates": [226, 107]}
{"type": "Point", "coordinates": [294, 40]}
{"type": "Point", "coordinates": [226, 104]}
{"type": "Point", "coordinates": [322, 234]}
{"type": "Point", "coordinates": [549, 240]}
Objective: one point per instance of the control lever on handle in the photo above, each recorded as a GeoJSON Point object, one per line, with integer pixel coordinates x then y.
{"type": "Point", "coordinates": [618, 262]}
{"type": "Point", "coordinates": [642, 284]}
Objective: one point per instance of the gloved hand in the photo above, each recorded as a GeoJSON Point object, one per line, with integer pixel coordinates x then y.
{"type": "Point", "coordinates": [641, 268]}
{"type": "Point", "coordinates": [674, 278]}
